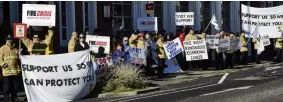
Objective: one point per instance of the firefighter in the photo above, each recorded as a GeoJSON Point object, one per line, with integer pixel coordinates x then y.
{"type": "Point", "coordinates": [38, 47]}
{"type": "Point", "coordinates": [278, 47]}
{"type": "Point", "coordinates": [256, 56]}
{"type": "Point", "coordinates": [244, 49]}
{"type": "Point", "coordinates": [218, 54]}
{"type": "Point", "coordinates": [73, 42]}
{"type": "Point", "coordinates": [161, 56]}
{"type": "Point", "coordinates": [204, 62]}
{"type": "Point", "coordinates": [229, 54]}
{"type": "Point", "coordinates": [141, 42]}
{"type": "Point", "coordinates": [10, 69]}
{"type": "Point", "coordinates": [195, 65]}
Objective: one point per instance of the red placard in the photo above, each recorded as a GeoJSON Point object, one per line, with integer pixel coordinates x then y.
{"type": "Point", "coordinates": [20, 30]}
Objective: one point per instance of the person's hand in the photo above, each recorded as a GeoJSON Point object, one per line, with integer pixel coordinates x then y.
{"type": "Point", "coordinates": [50, 26]}
{"type": "Point", "coordinates": [27, 26]}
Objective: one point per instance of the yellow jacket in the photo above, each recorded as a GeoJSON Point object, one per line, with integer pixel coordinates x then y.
{"type": "Point", "coordinates": [71, 45]}
{"type": "Point", "coordinates": [9, 56]}
{"type": "Point", "coordinates": [141, 44]}
{"type": "Point", "coordinates": [132, 40]}
{"type": "Point", "coordinates": [161, 50]}
{"type": "Point", "coordinates": [191, 37]}
{"type": "Point", "coordinates": [40, 48]}
{"type": "Point", "coordinates": [256, 43]}
{"type": "Point", "coordinates": [279, 43]}
{"type": "Point", "coordinates": [244, 43]}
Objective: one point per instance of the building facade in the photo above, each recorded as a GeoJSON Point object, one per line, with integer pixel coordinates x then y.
{"type": "Point", "coordinates": [109, 16]}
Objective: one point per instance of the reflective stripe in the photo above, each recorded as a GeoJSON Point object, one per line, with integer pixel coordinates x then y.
{"type": "Point", "coordinates": [38, 49]}
{"type": "Point", "coordinates": [10, 57]}
{"type": "Point", "coordinates": [71, 46]}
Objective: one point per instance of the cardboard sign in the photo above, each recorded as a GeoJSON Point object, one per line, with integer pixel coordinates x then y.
{"type": "Point", "coordinates": [173, 48]}
{"type": "Point", "coordinates": [265, 39]}
{"type": "Point", "coordinates": [195, 50]}
{"type": "Point", "coordinates": [212, 41]}
{"type": "Point", "coordinates": [103, 63]}
{"type": "Point", "coordinates": [39, 14]}
{"type": "Point", "coordinates": [184, 18]}
{"type": "Point", "coordinates": [224, 45]}
{"type": "Point", "coordinates": [137, 56]}
{"type": "Point", "coordinates": [147, 23]}
{"type": "Point", "coordinates": [234, 43]}
{"type": "Point", "coordinates": [20, 30]}
{"type": "Point", "coordinates": [59, 77]}
{"type": "Point", "coordinates": [173, 66]}
{"type": "Point", "coordinates": [98, 41]}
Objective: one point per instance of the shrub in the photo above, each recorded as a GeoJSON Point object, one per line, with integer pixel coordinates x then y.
{"type": "Point", "coordinates": [124, 78]}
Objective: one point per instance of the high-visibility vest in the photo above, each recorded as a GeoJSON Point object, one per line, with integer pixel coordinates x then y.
{"type": "Point", "coordinates": [132, 40]}
{"type": "Point", "coordinates": [191, 37]}
{"type": "Point", "coordinates": [9, 56]}
{"type": "Point", "coordinates": [161, 50]}
{"type": "Point", "coordinates": [71, 45]}
{"type": "Point", "coordinates": [279, 43]}
{"type": "Point", "coordinates": [244, 43]}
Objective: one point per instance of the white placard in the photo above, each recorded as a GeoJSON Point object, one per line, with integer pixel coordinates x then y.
{"type": "Point", "coordinates": [98, 41]}
{"type": "Point", "coordinates": [173, 48]}
{"type": "Point", "coordinates": [137, 56]}
{"type": "Point", "coordinates": [267, 19]}
{"type": "Point", "coordinates": [39, 14]}
{"type": "Point", "coordinates": [103, 63]}
{"type": "Point", "coordinates": [195, 50]}
{"type": "Point", "coordinates": [58, 78]}
{"type": "Point", "coordinates": [212, 41]}
{"type": "Point", "coordinates": [265, 39]}
{"type": "Point", "coordinates": [147, 24]}
{"type": "Point", "coordinates": [234, 43]}
{"type": "Point", "coordinates": [184, 18]}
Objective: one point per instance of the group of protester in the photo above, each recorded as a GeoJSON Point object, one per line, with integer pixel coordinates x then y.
{"type": "Point", "coordinates": [9, 59]}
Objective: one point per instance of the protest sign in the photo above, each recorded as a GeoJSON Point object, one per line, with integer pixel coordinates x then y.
{"type": "Point", "coordinates": [184, 18]}
{"type": "Point", "coordinates": [59, 77]}
{"type": "Point", "coordinates": [234, 42]}
{"type": "Point", "coordinates": [39, 14]}
{"type": "Point", "coordinates": [265, 39]}
{"type": "Point", "coordinates": [268, 20]}
{"type": "Point", "coordinates": [154, 52]}
{"type": "Point", "coordinates": [195, 50]}
{"type": "Point", "coordinates": [213, 41]}
{"type": "Point", "coordinates": [98, 41]}
{"type": "Point", "coordinates": [224, 45]}
{"type": "Point", "coordinates": [147, 23]}
{"type": "Point", "coordinates": [20, 30]}
{"type": "Point", "coordinates": [103, 63]}
{"type": "Point", "coordinates": [137, 56]}
{"type": "Point", "coordinates": [173, 66]}
{"type": "Point", "coordinates": [173, 48]}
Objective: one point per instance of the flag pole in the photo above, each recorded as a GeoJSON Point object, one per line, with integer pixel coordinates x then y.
{"type": "Point", "coordinates": [208, 23]}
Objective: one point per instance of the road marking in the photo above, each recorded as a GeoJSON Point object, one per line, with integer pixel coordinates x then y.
{"type": "Point", "coordinates": [131, 99]}
{"type": "Point", "coordinates": [226, 90]}
{"type": "Point", "coordinates": [223, 78]}
{"type": "Point", "coordinates": [272, 68]}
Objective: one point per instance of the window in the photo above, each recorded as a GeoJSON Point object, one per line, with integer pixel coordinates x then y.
{"type": "Point", "coordinates": [79, 16]}
{"type": "Point", "coordinates": [205, 14]}
{"type": "Point", "coordinates": [86, 19]}
{"type": "Point", "coordinates": [158, 12]}
{"type": "Point", "coordinates": [225, 15]}
{"type": "Point", "coordinates": [182, 6]}
{"type": "Point", "coordinates": [63, 13]}
{"type": "Point", "coordinates": [122, 10]}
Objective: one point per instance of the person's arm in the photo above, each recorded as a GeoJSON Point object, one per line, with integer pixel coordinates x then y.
{"type": "Point", "coordinates": [25, 41]}
{"type": "Point", "coordinates": [2, 62]}
{"type": "Point", "coordinates": [49, 37]}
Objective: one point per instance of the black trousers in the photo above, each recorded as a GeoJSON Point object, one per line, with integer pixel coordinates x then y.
{"type": "Point", "coordinates": [219, 60]}
{"type": "Point", "coordinates": [278, 55]}
{"type": "Point", "coordinates": [161, 66]}
{"type": "Point", "coordinates": [10, 83]}
{"type": "Point", "coordinates": [181, 61]}
{"type": "Point", "coordinates": [229, 61]}
{"type": "Point", "coordinates": [256, 56]}
{"type": "Point", "coordinates": [244, 56]}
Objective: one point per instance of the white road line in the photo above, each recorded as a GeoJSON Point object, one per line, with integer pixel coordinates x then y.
{"type": "Point", "coordinates": [131, 99]}
{"type": "Point", "coordinates": [238, 88]}
{"type": "Point", "coordinates": [223, 78]}
{"type": "Point", "coordinates": [272, 68]}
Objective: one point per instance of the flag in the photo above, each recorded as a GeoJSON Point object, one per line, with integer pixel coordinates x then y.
{"type": "Point", "coordinates": [255, 34]}
{"type": "Point", "coordinates": [122, 24]}
{"type": "Point", "coordinates": [214, 22]}
{"type": "Point", "coordinates": [260, 47]}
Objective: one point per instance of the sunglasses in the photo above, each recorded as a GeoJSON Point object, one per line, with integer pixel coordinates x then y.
{"type": "Point", "coordinates": [35, 37]}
